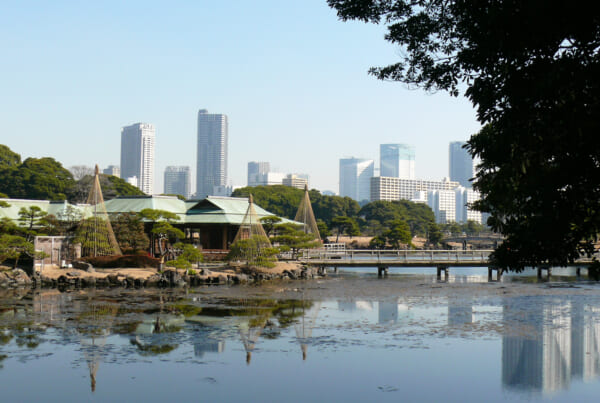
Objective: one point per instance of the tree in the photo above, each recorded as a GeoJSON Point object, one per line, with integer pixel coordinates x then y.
{"type": "Point", "coordinates": [13, 247]}
{"type": "Point", "coordinates": [111, 187]}
{"type": "Point", "coordinates": [531, 70]}
{"type": "Point", "coordinates": [399, 234]}
{"type": "Point", "coordinates": [129, 231]}
{"type": "Point", "coordinates": [36, 178]}
{"type": "Point", "coordinates": [29, 218]}
{"type": "Point", "coordinates": [345, 225]}
{"type": "Point", "coordinates": [253, 251]}
{"type": "Point", "coordinates": [434, 235]}
{"type": "Point", "coordinates": [269, 222]}
{"type": "Point", "coordinates": [79, 171]}
{"type": "Point", "coordinates": [162, 229]}
{"type": "Point", "coordinates": [188, 256]}
{"type": "Point", "coordinates": [292, 237]}
{"type": "Point", "coordinates": [8, 158]}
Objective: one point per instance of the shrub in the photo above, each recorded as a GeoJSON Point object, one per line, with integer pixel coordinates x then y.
{"type": "Point", "coordinates": [138, 261]}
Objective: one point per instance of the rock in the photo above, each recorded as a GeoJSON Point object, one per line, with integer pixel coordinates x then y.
{"type": "Point", "coordinates": [78, 264]}
{"type": "Point", "coordinates": [73, 273]}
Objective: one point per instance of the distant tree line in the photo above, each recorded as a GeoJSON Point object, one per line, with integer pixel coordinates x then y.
{"type": "Point", "coordinates": [46, 179]}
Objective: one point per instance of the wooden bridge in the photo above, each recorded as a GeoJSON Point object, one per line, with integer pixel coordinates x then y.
{"type": "Point", "coordinates": [384, 259]}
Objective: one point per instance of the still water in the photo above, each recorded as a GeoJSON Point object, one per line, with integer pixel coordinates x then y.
{"type": "Point", "coordinates": [287, 342]}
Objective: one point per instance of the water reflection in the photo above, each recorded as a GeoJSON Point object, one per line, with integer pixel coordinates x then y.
{"type": "Point", "coordinates": [546, 343]}
{"type": "Point", "coordinates": [549, 344]}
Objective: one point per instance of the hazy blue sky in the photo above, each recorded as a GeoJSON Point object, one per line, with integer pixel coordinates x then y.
{"type": "Point", "coordinates": [291, 77]}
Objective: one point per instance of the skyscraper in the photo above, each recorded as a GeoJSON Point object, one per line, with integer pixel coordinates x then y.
{"type": "Point", "coordinates": [255, 170]}
{"type": "Point", "coordinates": [137, 155]}
{"type": "Point", "coordinates": [355, 178]}
{"type": "Point", "coordinates": [397, 161]}
{"type": "Point", "coordinates": [177, 180]}
{"type": "Point", "coordinates": [461, 164]}
{"type": "Point", "coordinates": [211, 167]}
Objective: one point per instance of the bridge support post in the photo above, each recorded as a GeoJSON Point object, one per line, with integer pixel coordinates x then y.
{"type": "Point", "coordinates": [499, 273]}
{"type": "Point", "coordinates": [382, 271]}
{"type": "Point", "coordinates": [335, 269]}
{"type": "Point", "coordinates": [445, 269]}
{"type": "Point", "coordinates": [548, 271]}
{"type": "Point", "coordinates": [578, 272]}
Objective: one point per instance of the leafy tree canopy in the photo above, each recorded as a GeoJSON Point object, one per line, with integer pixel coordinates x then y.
{"type": "Point", "coordinates": [379, 214]}
{"type": "Point", "coordinates": [531, 69]}
{"type": "Point", "coordinates": [8, 158]}
{"type": "Point", "coordinates": [36, 178]}
{"type": "Point", "coordinates": [285, 200]}
{"type": "Point", "coordinates": [111, 186]}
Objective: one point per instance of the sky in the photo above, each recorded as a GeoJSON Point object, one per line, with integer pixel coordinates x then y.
{"type": "Point", "coordinates": [289, 75]}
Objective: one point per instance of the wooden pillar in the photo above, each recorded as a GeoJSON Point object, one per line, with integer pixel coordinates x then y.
{"type": "Point", "coordinates": [382, 271]}
{"type": "Point", "coordinates": [578, 272]}
{"type": "Point", "coordinates": [445, 269]}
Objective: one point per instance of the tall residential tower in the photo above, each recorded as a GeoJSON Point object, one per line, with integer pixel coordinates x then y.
{"type": "Point", "coordinates": [461, 164]}
{"type": "Point", "coordinates": [137, 155]}
{"type": "Point", "coordinates": [211, 167]}
{"type": "Point", "coordinates": [397, 161]}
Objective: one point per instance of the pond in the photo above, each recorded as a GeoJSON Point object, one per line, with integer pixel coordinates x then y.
{"type": "Point", "coordinates": [350, 337]}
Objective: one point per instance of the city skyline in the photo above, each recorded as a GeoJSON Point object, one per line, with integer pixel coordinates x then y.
{"type": "Point", "coordinates": [137, 156]}
{"type": "Point", "coordinates": [302, 100]}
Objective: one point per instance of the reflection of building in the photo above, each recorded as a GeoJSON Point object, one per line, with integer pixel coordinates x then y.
{"type": "Point", "coordinates": [391, 312]}
{"type": "Point", "coordinates": [460, 311]}
{"type": "Point", "coordinates": [559, 340]}
{"type": "Point", "coordinates": [207, 345]}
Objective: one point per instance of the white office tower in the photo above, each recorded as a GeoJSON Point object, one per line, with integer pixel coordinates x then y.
{"type": "Point", "coordinates": [397, 161]}
{"type": "Point", "coordinates": [443, 203]}
{"type": "Point", "coordinates": [255, 172]}
{"type": "Point", "coordinates": [355, 178]}
{"type": "Point", "coordinates": [211, 162]}
{"type": "Point", "coordinates": [137, 155]}
{"type": "Point", "coordinates": [460, 164]}
{"type": "Point", "coordinates": [177, 181]}
{"type": "Point", "coordinates": [464, 197]}
{"type": "Point", "coordinates": [268, 179]}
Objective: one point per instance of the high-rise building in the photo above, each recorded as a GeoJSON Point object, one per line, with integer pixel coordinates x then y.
{"type": "Point", "coordinates": [461, 164]}
{"type": "Point", "coordinates": [137, 155]}
{"type": "Point", "coordinates": [177, 181]}
{"type": "Point", "coordinates": [443, 204]}
{"type": "Point", "coordinates": [383, 188]}
{"type": "Point", "coordinates": [464, 198]}
{"type": "Point", "coordinates": [212, 153]}
{"type": "Point", "coordinates": [397, 161]}
{"type": "Point", "coordinates": [355, 178]}
{"type": "Point", "coordinates": [113, 170]}
{"type": "Point", "coordinates": [255, 169]}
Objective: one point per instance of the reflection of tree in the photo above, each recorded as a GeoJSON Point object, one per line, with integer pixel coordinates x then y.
{"type": "Point", "coordinates": [305, 325]}
{"type": "Point", "coordinates": [251, 329]}
{"type": "Point", "coordinates": [94, 326]}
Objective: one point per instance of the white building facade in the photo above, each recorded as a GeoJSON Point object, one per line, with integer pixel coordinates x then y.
{"type": "Point", "coordinates": [464, 198]}
{"type": "Point", "coordinates": [355, 178]}
{"type": "Point", "coordinates": [211, 168]}
{"type": "Point", "coordinates": [137, 155]}
{"type": "Point", "coordinates": [385, 188]}
{"type": "Point", "coordinates": [443, 204]}
{"type": "Point", "coordinates": [255, 172]}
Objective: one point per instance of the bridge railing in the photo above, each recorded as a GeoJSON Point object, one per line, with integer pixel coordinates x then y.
{"type": "Point", "coordinates": [399, 254]}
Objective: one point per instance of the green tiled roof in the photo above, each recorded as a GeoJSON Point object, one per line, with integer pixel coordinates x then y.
{"type": "Point", "coordinates": [212, 210]}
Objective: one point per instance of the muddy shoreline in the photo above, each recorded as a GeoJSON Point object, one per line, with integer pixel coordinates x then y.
{"type": "Point", "coordinates": [148, 278]}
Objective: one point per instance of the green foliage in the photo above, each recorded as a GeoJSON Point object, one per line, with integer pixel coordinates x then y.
{"type": "Point", "coordinates": [111, 186]}
{"type": "Point", "coordinates": [162, 229]}
{"type": "Point", "coordinates": [292, 237]}
{"type": "Point", "coordinates": [36, 178]}
{"type": "Point", "coordinates": [285, 200]}
{"type": "Point", "coordinates": [189, 256]}
{"type": "Point", "coordinates": [13, 247]}
{"type": "Point", "coordinates": [253, 251]}
{"type": "Point", "coordinates": [269, 222]}
{"type": "Point", "coordinates": [129, 231]}
{"type": "Point", "coordinates": [379, 214]}
{"type": "Point", "coordinates": [533, 78]}
{"type": "Point", "coordinates": [323, 229]}
{"type": "Point", "coordinates": [8, 158]}
{"type": "Point", "coordinates": [434, 234]}
{"type": "Point", "coordinates": [30, 220]}
{"type": "Point", "coordinates": [345, 225]}
{"type": "Point", "coordinates": [398, 234]}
